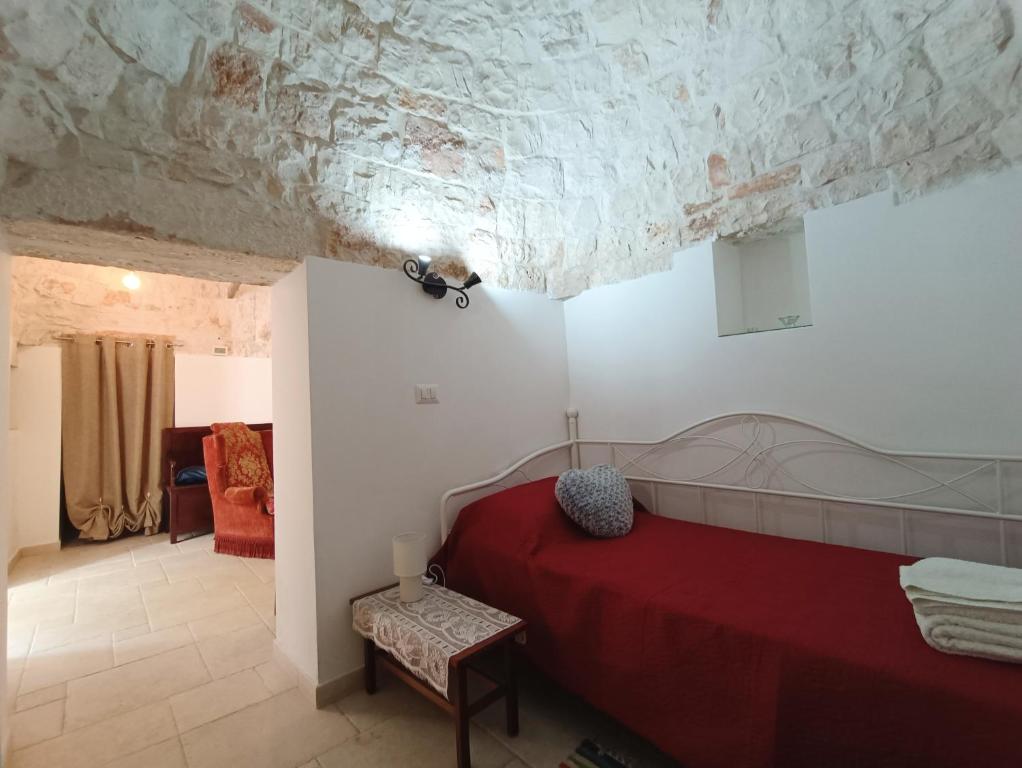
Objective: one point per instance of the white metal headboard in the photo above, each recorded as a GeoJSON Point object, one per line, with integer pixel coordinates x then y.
{"type": "Point", "coordinates": [769, 459]}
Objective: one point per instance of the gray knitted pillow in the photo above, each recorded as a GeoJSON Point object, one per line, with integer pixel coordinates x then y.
{"type": "Point", "coordinates": [598, 499]}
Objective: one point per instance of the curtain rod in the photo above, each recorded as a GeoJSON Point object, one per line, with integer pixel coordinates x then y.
{"type": "Point", "coordinates": [149, 342]}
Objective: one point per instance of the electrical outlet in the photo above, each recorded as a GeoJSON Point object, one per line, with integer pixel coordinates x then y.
{"type": "Point", "coordinates": [426, 394]}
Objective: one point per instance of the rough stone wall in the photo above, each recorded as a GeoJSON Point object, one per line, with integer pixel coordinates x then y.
{"type": "Point", "coordinates": [51, 299]}
{"type": "Point", "coordinates": [546, 145]}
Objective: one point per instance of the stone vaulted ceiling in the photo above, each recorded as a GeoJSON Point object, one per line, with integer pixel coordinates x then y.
{"type": "Point", "coordinates": [549, 145]}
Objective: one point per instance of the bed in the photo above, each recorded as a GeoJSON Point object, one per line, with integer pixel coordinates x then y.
{"type": "Point", "coordinates": [728, 648]}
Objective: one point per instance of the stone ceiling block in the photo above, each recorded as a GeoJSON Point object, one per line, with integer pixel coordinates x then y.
{"type": "Point", "coordinates": [548, 146]}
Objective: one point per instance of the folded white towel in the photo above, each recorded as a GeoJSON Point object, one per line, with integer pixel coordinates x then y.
{"type": "Point", "coordinates": [962, 580]}
{"type": "Point", "coordinates": [979, 612]}
{"type": "Point", "coordinates": [972, 637]}
{"type": "Point", "coordinates": [967, 608]}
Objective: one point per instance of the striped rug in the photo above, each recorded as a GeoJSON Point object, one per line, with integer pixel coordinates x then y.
{"type": "Point", "coordinates": [590, 755]}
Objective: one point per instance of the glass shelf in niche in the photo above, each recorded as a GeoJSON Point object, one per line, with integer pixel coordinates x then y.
{"type": "Point", "coordinates": [762, 284]}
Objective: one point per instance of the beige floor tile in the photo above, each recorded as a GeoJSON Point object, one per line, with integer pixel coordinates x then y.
{"type": "Point", "coordinates": [285, 730]}
{"type": "Point", "coordinates": [32, 571]}
{"type": "Point", "coordinates": [220, 570]}
{"type": "Point", "coordinates": [35, 612]}
{"type": "Point", "coordinates": [262, 598]}
{"type": "Point", "coordinates": [37, 724]}
{"type": "Point", "coordinates": [28, 580]}
{"type": "Point", "coordinates": [554, 723]}
{"type": "Point", "coordinates": [204, 543]}
{"type": "Point", "coordinates": [185, 565]}
{"type": "Point", "coordinates": [96, 606]}
{"type": "Point", "coordinates": [101, 625]}
{"type": "Point", "coordinates": [214, 700]}
{"type": "Point", "coordinates": [258, 591]}
{"type": "Point", "coordinates": [167, 613]}
{"type": "Point", "coordinates": [94, 566]}
{"type": "Point", "coordinates": [67, 662]}
{"type": "Point", "coordinates": [262, 567]}
{"type": "Point", "coordinates": [153, 549]}
{"type": "Point", "coordinates": [241, 649]}
{"type": "Point", "coordinates": [151, 644]}
{"type": "Point", "coordinates": [277, 677]}
{"type": "Point", "coordinates": [120, 635]}
{"type": "Point", "coordinates": [423, 739]}
{"type": "Point", "coordinates": [221, 623]}
{"type": "Point", "coordinates": [39, 590]}
{"type": "Point", "coordinates": [267, 610]}
{"type": "Point", "coordinates": [310, 764]}
{"type": "Point", "coordinates": [145, 573]}
{"type": "Point", "coordinates": [167, 592]}
{"type": "Point", "coordinates": [42, 696]}
{"type": "Point", "coordinates": [19, 641]}
{"type": "Point", "coordinates": [392, 699]}
{"type": "Point", "coordinates": [166, 754]}
{"type": "Point", "coordinates": [271, 624]}
{"type": "Point", "coordinates": [101, 743]}
{"type": "Point", "coordinates": [545, 738]}
{"type": "Point", "coordinates": [107, 694]}
{"type": "Point", "coordinates": [98, 550]}
{"type": "Point", "coordinates": [15, 669]}
{"type": "Point", "coordinates": [226, 574]}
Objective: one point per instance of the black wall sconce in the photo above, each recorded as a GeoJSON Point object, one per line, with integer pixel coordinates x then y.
{"type": "Point", "coordinates": [436, 286]}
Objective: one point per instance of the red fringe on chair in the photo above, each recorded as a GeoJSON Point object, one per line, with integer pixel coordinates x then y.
{"type": "Point", "coordinates": [242, 546]}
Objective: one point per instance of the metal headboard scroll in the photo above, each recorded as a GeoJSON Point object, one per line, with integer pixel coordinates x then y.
{"type": "Point", "coordinates": [517, 473]}
{"type": "Point", "coordinates": [744, 452]}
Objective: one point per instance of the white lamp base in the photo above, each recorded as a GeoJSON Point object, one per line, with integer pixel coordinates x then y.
{"type": "Point", "coordinates": [411, 589]}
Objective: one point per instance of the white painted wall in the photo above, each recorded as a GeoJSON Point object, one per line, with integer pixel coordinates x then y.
{"type": "Point", "coordinates": [35, 457]}
{"type": "Point", "coordinates": [381, 462]}
{"type": "Point", "coordinates": [6, 698]}
{"type": "Point", "coordinates": [209, 389]}
{"type": "Point", "coordinates": [914, 344]}
{"type": "Point", "coordinates": [294, 541]}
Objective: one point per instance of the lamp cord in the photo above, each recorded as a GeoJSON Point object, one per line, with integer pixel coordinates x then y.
{"type": "Point", "coordinates": [433, 578]}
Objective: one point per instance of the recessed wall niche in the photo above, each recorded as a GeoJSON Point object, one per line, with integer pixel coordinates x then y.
{"type": "Point", "coordinates": [762, 284]}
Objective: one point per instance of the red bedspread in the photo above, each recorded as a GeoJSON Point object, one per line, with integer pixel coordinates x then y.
{"type": "Point", "coordinates": [735, 650]}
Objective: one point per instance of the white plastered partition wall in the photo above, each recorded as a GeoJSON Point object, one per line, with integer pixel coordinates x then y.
{"type": "Point", "coordinates": [379, 461]}
{"type": "Point", "coordinates": [209, 388]}
{"type": "Point", "coordinates": [35, 440]}
{"type": "Point", "coordinates": [915, 312]}
{"type": "Point", "coordinates": [294, 539]}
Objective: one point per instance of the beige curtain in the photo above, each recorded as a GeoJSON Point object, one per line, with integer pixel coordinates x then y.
{"type": "Point", "coordinates": [117, 399]}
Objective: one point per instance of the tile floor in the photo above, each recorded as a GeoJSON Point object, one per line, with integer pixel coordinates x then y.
{"type": "Point", "coordinates": [142, 654]}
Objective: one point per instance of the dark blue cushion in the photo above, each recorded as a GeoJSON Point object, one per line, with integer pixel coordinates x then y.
{"type": "Point", "coordinates": [191, 476]}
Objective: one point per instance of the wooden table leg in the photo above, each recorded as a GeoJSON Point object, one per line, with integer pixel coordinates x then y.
{"type": "Point", "coordinates": [369, 650]}
{"type": "Point", "coordinates": [511, 681]}
{"type": "Point", "coordinates": [461, 718]}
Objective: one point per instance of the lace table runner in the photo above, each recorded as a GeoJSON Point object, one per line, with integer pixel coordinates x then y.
{"type": "Point", "coordinates": [424, 635]}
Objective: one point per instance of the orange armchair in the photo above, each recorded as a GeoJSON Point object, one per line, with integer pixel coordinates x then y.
{"type": "Point", "coordinates": [240, 524]}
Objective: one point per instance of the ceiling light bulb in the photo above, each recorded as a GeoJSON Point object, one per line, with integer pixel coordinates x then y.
{"type": "Point", "coordinates": [131, 281]}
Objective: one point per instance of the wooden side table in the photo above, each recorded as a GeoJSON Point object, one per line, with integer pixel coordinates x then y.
{"type": "Point", "coordinates": [415, 642]}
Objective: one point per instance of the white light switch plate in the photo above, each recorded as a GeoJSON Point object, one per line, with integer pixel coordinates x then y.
{"type": "Point", "coordinates": [426, 394]}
